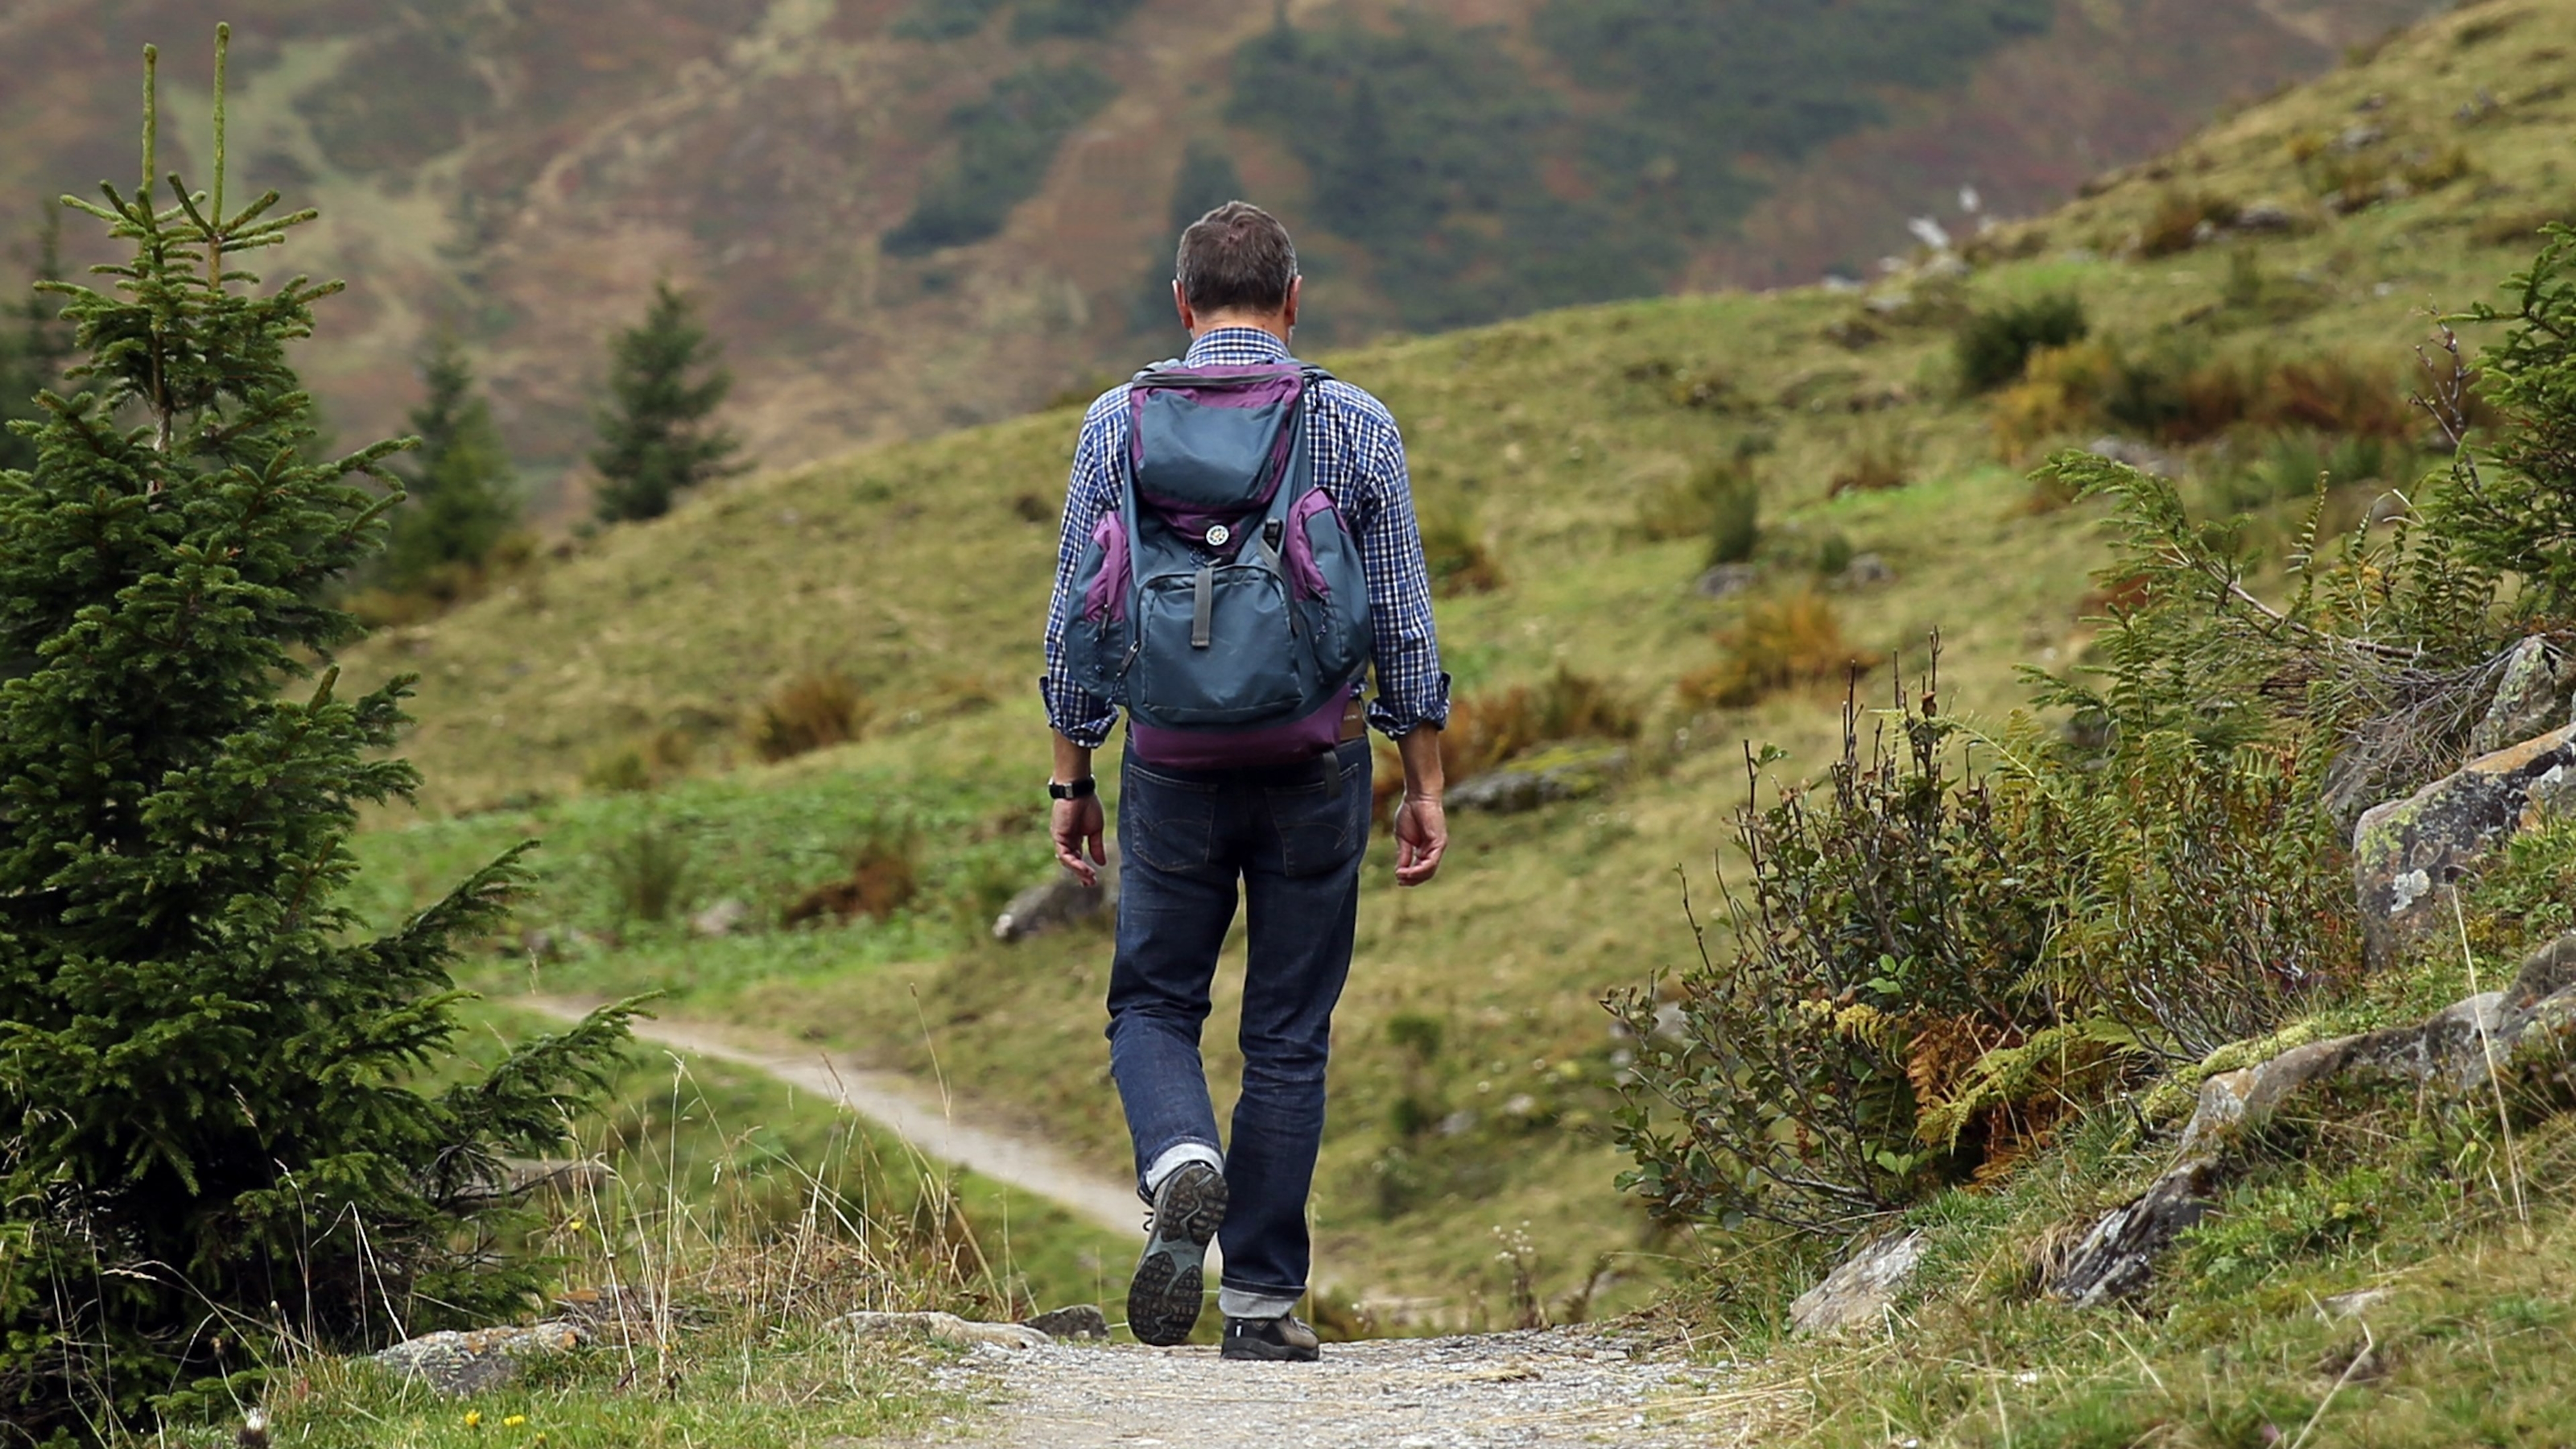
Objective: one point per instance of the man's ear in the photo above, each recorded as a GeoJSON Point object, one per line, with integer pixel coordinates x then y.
{"type": "Point", "coordinates": [1181, 304]}
{"type": "Point", "coordinates": [1296, 294]}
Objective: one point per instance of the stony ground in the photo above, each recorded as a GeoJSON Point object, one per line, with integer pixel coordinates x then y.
{"type": "Point", "coordinates": [1487, 1391]}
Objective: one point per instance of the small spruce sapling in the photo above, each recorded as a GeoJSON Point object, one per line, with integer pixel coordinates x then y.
{"type": "Point", "coordinates": [215, 1131]}
{"type": "Point", "coordinates": [461, 505]}
{"type": "Point", "coordinates": [655, 438]}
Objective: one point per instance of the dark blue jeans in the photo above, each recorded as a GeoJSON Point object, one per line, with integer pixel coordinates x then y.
{"type": "Point", "coordinates": [1293, 837]}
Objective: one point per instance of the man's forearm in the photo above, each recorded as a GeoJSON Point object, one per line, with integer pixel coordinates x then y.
{"type": "Point", "coordinates": [1419, 748]}
{"type": "Point", "coordinates": [1072, 761]}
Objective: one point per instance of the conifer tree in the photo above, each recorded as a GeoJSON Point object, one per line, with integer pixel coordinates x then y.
{"type": "Point", "coordinates": [460, 505]}
{"type": "Point", "coordinates": [211, 1109]}
{"type": "Point", "coordinates": [655, 438]}
{"type": "Point", "coordinates": [34, 347]}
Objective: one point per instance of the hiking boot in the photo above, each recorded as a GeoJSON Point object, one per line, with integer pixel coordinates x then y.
{"type": "Point", "coordinates": [1285, 1339]}
{"type": "Point", "coordinates": [1171, 1278]}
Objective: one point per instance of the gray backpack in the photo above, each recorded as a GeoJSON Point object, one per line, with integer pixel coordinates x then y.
{"type": "Point", "coordinates": [1223, 603]}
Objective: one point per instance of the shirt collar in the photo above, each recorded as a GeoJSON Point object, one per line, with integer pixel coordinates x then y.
{"type": "Point", "coordinates": [1234, 347]}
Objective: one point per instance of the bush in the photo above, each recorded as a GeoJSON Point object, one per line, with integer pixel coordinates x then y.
{"type": "Point", "coordinates": [1489, 730]}
{"type": "Point", "coordinates": [810, 712]}
{"type": "Point", "coordinates": [2520, 515]}
{"type": "Point", "coordinates": [1719, 501]}
{"type": "Point", "coordinates": [649, 874]}
{"type": "Point", "coordinates": [885, 874]}
{"type": "Point", "coordinates": [2176, 223]}
{"type": "Point", "coordinates": [1793, 640]}
{"type": "Point", "coordinates": [1992, 347]}
{"type": "Point", "coordinates": [1876, 466]}
{"type": "Point", "coordinates": [1456, 554]}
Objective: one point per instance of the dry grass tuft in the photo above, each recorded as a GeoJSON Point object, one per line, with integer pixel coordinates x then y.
{"type": "Point", "coordinates": [885, 874]}
{"type": "Point", "coordinates": [1781, 643]}
{"type": "Point", "coordinates": [810, 712]}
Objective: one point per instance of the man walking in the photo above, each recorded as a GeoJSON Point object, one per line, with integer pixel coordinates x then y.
{"type": "Point", "coordinates": [1239, 542]}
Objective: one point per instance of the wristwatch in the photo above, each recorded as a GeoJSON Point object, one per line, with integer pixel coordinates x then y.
{"type": "Point", "coordinates": [1082, 789]}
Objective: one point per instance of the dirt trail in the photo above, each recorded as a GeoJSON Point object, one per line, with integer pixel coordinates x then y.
{"type": "Point", "coordinates": [1488, 1391]}
{"type": "Point", "coordinates": [899, 1104]}
{"type": "Point", "coordinates": [1528, 1390]}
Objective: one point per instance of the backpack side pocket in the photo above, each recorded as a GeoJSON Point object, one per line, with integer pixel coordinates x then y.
{"type": "Point", "coordinates": [1098, 639]}
{"type": "Point", "coordinates": [1325, 577]}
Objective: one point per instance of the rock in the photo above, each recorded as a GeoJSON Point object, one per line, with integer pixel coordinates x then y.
{"type": "Point", "coordinates": [2530, 697]}
{"type": "Point", "coordinates": [2134, 454]}
{"type": "Point", "coordinates": [1865, 571]}
{"type": "Point", "coordinates": [2118, 1257]}
{"type": "Point", "coordinates": [461, 1364]}
{"type": "Point", "coordinates": [2267, 218]}
{"type": "Point", "coordinates": [721, 919]}
{"type": "Point", "coordinates": [944, 1326]}
{"type": "Point", "coordinates": [1541, 779]}
{"type": "Point", "coordinates": [1056, 903]}
{"type": "Point", "coordinates": [2405, 851]}
{"type": "Point", "coordinates": [1725, 579]}
{"type": "Point", "coordinates": [1082, 1320]}
{"type": "Point", "coordinates": [2360, 137]}
{"type": "Point", "coordinates": [2455, 1051]}
{"type": "Point", "coordinates": [1859, 1293]}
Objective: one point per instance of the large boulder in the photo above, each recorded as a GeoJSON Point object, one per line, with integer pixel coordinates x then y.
{"type": "Point", "coordinates": [2406, 851]}
{"type": "Point", "coordinates": [1543, 778]}
{"type": "Point", "coordinates": [2454, 1052]}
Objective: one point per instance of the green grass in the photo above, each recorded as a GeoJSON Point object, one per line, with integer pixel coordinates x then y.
{"type": "Point", "coordinates": [918, 570]}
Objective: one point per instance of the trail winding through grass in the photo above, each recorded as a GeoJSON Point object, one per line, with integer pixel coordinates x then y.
{"type": "Point", "coordinates": [900, 1105]}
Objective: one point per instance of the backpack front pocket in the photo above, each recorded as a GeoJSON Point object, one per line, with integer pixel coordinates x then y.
{"type": "Point", "coordinates": [1217, 648]}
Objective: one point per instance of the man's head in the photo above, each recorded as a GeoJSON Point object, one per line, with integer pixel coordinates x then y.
{"type": "Point", "coordinates": [1237, 268]}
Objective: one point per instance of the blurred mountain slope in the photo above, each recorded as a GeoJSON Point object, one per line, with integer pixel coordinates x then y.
{"type": "Point", "coordinates": [909, 215]}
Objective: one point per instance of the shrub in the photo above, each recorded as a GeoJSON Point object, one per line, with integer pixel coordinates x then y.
{"type": "Point", "coordinates": [2520, 514]}
{"type": "Point", "coordinates": [1719, 501]}
{"type": "Point", "coordinates": [1992, 347]}
{"type": "Point", "coordinates": [648, 873]}
{"type": "Point", "coordinates": [2337, 395]}
{"type": "Point", "coordinates": [810, 712]}
{"type": "Point", "coordinates": [885, 874]}
{"type": "Point", "coordinates": [1876, 466]}
{"type": "Point", "coordinates": [1793, 640]}
{"type": "Point", "coordinates": [1455, 552]}
{"type": "Point", "coordinates": [2061, 390]}
{"type": "Point", "coordinates": [2177, 224]}
{"type": "Point", "coordinates": [1491, 729]}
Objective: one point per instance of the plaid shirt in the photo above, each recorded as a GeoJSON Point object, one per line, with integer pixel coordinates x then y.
{"type": "Point", "coordinates": [1359, 461]}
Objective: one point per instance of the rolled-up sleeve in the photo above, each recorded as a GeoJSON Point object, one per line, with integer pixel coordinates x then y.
{"type": "Point", "coordinates": [1076, 713]}
{"type": "Point", "coordinates": [1412, 691]}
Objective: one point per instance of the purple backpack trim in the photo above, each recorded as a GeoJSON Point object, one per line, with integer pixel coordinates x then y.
{"type": "Point", "coordinates": [1304, 574]}
{"type": "Point", "coordinates": [1285, 744]}
{"type": "Point", "coordinates": [1106, 598]}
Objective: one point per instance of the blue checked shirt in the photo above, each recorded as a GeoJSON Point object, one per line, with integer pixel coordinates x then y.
{"type": "Point", "coordinates": [1359, 461]}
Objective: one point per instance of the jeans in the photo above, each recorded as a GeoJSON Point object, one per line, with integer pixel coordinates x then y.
{"type": "Point", "coordinates": [1294, 836]}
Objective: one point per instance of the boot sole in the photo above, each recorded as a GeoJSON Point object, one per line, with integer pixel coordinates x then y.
{"type": "Point", "coordinates": [1257, 1351]}
{"type": "Point", "coordinates": [1170, 1286]}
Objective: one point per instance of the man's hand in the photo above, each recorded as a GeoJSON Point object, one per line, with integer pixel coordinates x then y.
{"type": "Point", "coordinates": [1421, 825]}
{"type": "Point", "coordinates": [1078, 827]}
{"type": "Point", "coordinates": [1421, 837]}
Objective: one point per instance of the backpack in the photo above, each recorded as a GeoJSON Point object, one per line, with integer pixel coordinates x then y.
{"type": "Point", "coordinates": [1222, 603]}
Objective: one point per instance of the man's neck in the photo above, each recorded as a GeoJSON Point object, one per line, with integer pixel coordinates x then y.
{"type": "Point", "coordinates": [1276, 326]}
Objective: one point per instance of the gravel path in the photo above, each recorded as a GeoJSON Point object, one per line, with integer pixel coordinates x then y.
{"type": "Point", "coordinates": [898, 1103]}
{"type": "Point", "coordinates": [1486, 1391]}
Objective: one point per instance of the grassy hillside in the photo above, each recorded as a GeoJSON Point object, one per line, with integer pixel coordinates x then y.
{"type": "Point", "coordinates": [910, 215]}
{"type": "Point", "coordinates": [1472, 1069]}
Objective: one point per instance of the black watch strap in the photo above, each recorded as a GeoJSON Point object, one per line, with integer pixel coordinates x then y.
{"type": "Point", "coordinates": [1082, 789]}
